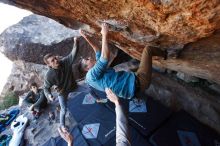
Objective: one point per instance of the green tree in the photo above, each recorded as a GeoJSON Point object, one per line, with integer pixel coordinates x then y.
{"type": "Point", "coordinates": [9, 100]}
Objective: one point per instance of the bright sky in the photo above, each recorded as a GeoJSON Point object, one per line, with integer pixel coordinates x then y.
{"type": "Point", "coordinates": [9, 16]}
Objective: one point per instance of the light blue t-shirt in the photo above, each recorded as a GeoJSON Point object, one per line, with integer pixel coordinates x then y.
{"type": "Point", "coordinates": [100, 77]}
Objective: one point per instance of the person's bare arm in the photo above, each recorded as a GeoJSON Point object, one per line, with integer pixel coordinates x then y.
{"type": "Point", "coordinates": [66, 136]}
{"type": "Point", "coordinates": [122, 131]}
{"type": "Point", "coordinates": [105, 50]}
{"type": "Point", "coordinates": [93, 45]}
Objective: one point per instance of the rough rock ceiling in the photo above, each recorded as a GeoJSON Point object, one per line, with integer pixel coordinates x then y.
{"type": "Point", "coordinates": [136, 23]}
{"type": "Point", "coordinates": [169, 24]}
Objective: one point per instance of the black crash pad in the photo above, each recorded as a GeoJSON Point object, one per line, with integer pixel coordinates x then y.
{"type": "Point", "coordinates": [136, 139]}
{"type": "Point", "coordinates": [184, 130]}
{"type": "Point", "coordinates": [105, 121]}
{"type": "Point", "coordinates": [78, 109]}
{"type": "Point", "coordinates": [145, 122]}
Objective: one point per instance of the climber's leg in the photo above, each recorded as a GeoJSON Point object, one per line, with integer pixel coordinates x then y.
{"type": "Point", "coordinates": [145, 69]}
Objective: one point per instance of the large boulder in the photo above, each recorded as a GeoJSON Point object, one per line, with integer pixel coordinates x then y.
{"type": "Point", "coordinates": [36, 35]}
{"type": "Point", "coordinates": [33, 37]}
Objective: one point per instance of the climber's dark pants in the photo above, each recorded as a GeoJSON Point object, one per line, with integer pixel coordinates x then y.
{"type": "Point", "coordinates": [41, 103]}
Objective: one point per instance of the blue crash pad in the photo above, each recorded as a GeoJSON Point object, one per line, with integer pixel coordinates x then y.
{"type": "Point", "coordinates": [6, 119]}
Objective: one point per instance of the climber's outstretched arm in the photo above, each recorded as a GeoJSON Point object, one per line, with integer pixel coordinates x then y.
{"type": "Point", "coordinates": [105, 50]}
{"type": "Point", "coordinates": [93, 45]}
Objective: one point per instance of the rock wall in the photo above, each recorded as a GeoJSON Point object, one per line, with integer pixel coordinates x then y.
{"type": "Point", "coordinates": [200, 104]}
{"type": "Point", "coordinates": [22, 75]}
{"type": "Point", "coordinates": [200, 59]}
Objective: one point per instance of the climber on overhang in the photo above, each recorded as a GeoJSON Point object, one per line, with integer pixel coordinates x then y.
{"type": "Point", "coordinates": [123, 84]}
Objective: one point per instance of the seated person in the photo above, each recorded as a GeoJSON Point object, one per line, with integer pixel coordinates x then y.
{"type": "Point", "coordinates": [37, 99]}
